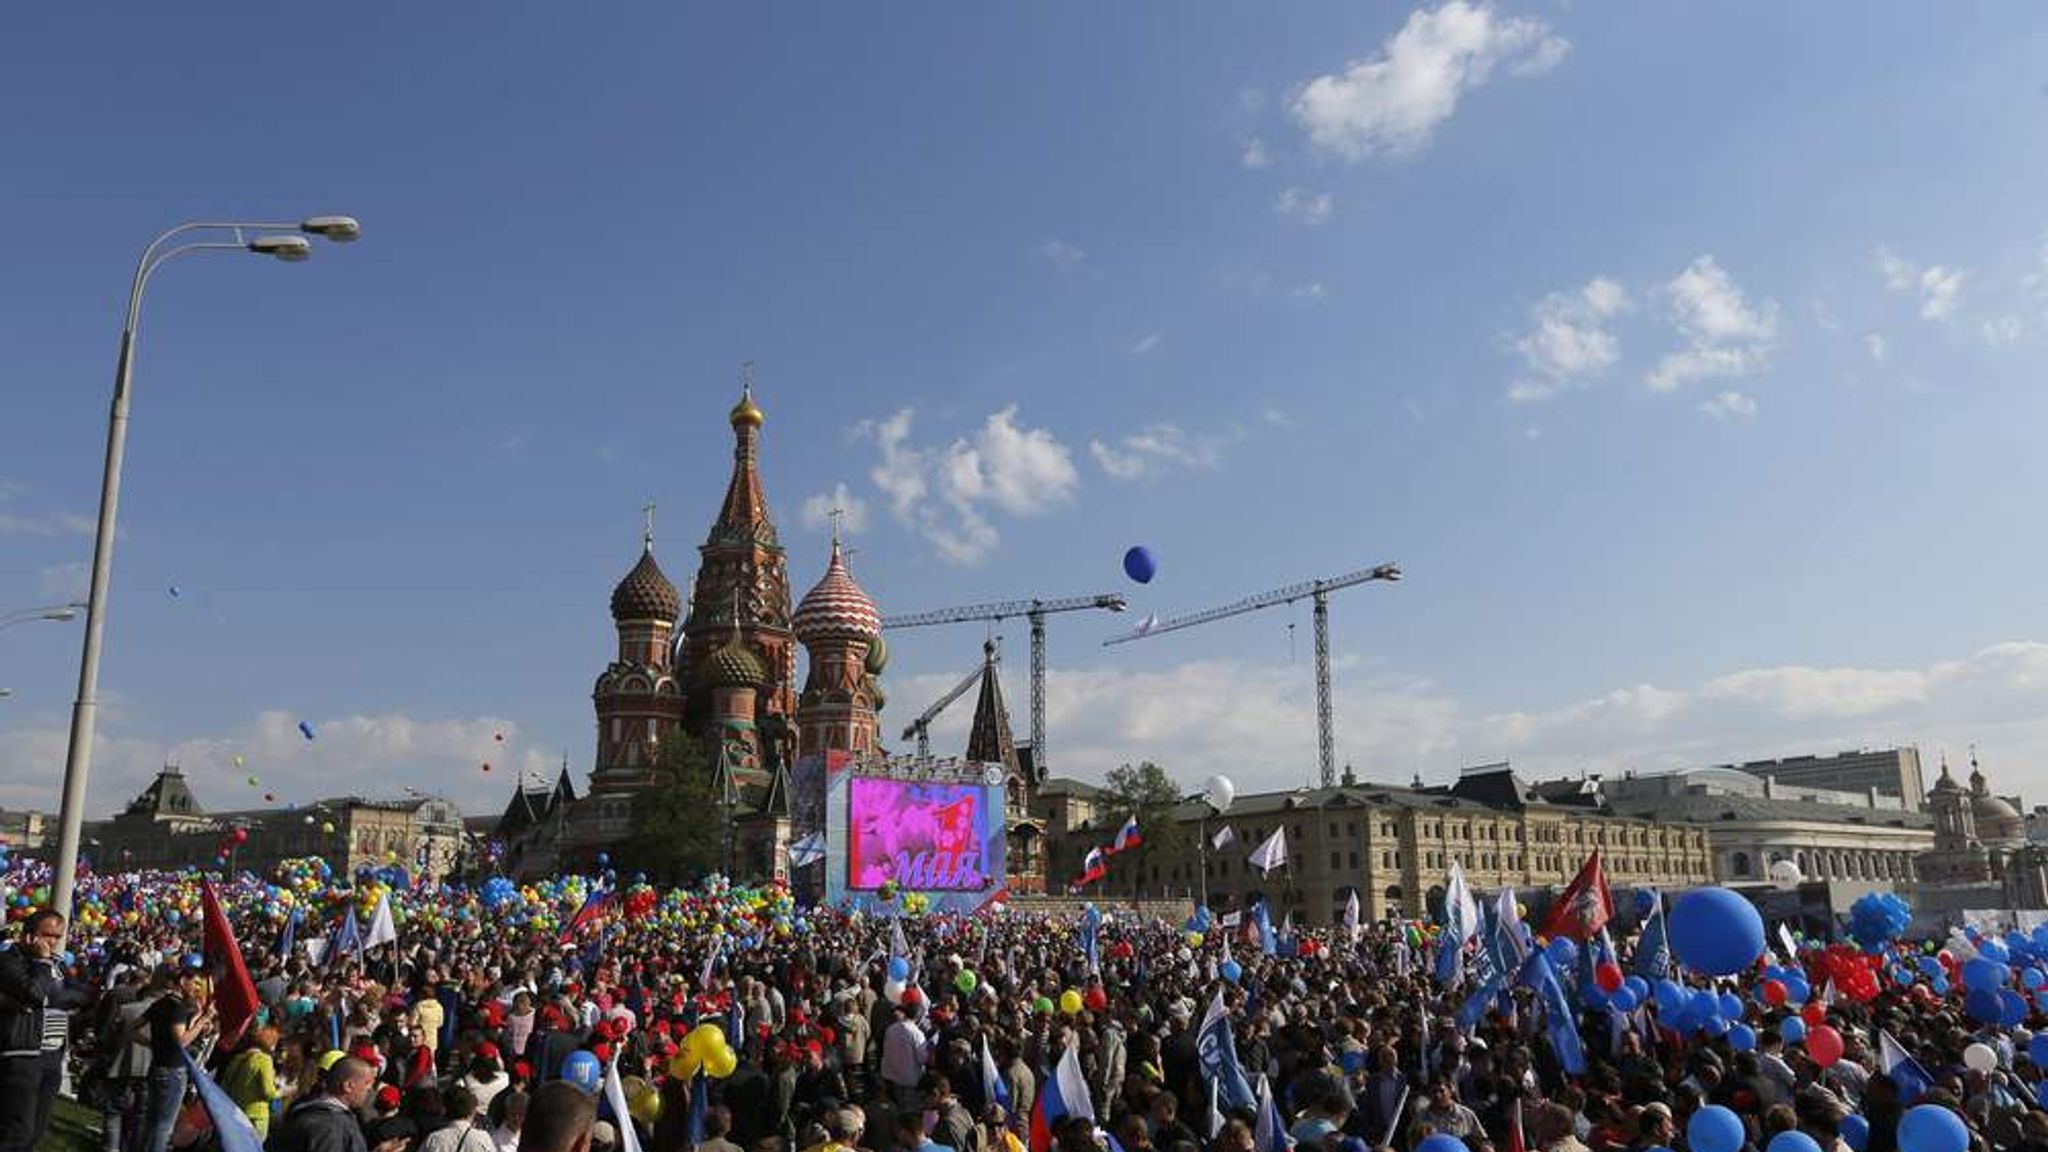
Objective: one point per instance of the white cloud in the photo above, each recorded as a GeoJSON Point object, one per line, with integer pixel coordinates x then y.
{"type": "Point", "coordinates": [1154, 450]}
{"type": "Point", "coordinates": [853, 518]}
{"type": "Point", "coordinates": [1724, 335]}
{"type": "Point", "coordinates": [69, 583]}
{"type": "Point", "coordinates": [1876, 343]}
{"type": "Point", "coordinates": [1311, 292]}
{"type": "Point", "coordinates": [380, 755]}
{"type": "Point", "coordinates": [2002, 330]}
{"type": "Point", "coordinates": [1148, 343]}
{"type": "Point", "coordinates": [1276, 417]}
{"type": "Point", "coordinates": [1390, 726]}
{"type": "Point", "coordinates": [1062, 255]}
{"type": "Point", "coordinates": [1729, 406]}
{"type": "Point", "coordinates": [1256, 155]}
{"type": "Point", "coordinates": [945, 494]}
{"type": "Point", "coordinates": [46, 524]}
{"type": "Point", "coordinates": [1937, 287]}
{"type": "Point", "coordinates": [1570, 340]}
{"type": "Point", "coordinates": [1303, 206]}
{"type": "Point", "coordinates": [1393, 101]}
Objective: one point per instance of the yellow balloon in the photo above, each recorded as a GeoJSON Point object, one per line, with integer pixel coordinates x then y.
{"type": "Point", "coordinates": [685, 1065]}
{"type": "Point", "coordinates": [1194, 939]}
{"type": "Point", "coordinates": [643, 1100]}
{"type": "Point", "coordinates": [1070, 1002]}
{"type": "Point", "coordinates": [721, 1063]}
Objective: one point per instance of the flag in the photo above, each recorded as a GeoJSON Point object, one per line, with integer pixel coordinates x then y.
{"type": "Point", "coordinates": [1586, 905]}
{"type": "Point", "coordinates": [1499, 955]}
{"type": "Point", "coordinates": [807, 850]}
{"type": "Point", "coordinates": [1517, 1142]}
{"type": "Point", "coordinates": [1093, 867]}
{"type": "Point", "coordinates": [235, 992]}
{"type": "Point", "coordinates": [1224, 838]}
{"type": "Point", "coordinates": [1127, 836]}
{"type": "Point", "coordinates": [382, 930]}
{"type": "Point", "coordinates": [1217, 1049]}
{"type": "Point", "coordinates": [348, 938]}
{"type": "Point", "coordinates": [1215, 1114]}
{"type": "Point", "coordinates": [1263, 920]}
{"type": "Point", "coordinates": [615, 1095]}
{"type": "Point", "coordinates": [1064, 1094]}
{"type": "Point", "coordinates": [710, 961]}
{"type": "Point", "coordinates": [230, 1124]}
{"type": "Point", "coordinates": [316, 950]}
{"type": "Point", "coordinates": [597, 904]}
{"type": "Point", "coordinates": [1893, 1060]}
{"type": "Point", "coordinates": [1514, 935]}
{"type": "Point", "coordinates": [993, 1088]}
{"type": "Point", "coordinates": [898, 946]}
{"type": "Point", "coordinates": [1351, 916]}
{"type": "Point", "coordinates": [1272, 854]}
{"type": "Point", "coordinates": [1562, 1027]}
{"type": "Point", "coordinates": [700, 1099]}
{"type": "Point", "coordinates": [1268, 1133]}
{"type": "Point", "coordinates": [1792, 946]}
{"type": "Point", "coordinates": [1461, 924]}
{"type": "Point", "coordinates": [1653, 947]}
{"type": "Point", "coordinates": [1091, 927]}
{"type": "Point", "coordinates": [290, 934]}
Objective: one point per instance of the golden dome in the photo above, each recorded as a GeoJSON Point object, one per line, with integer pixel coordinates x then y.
{"type": "Point", "coordinates": [746, 411]}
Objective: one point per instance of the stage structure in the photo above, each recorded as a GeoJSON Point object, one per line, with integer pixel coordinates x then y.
{"type": "Point", "coordinates": [898, 826]}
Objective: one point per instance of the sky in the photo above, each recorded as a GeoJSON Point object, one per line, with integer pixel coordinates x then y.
{"type": "Point", "coordinates": [1686, 359]}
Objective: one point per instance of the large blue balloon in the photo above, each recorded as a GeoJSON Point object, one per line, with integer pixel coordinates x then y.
{"type": "Point", "coordinates": [1981, 974]}
{"type": "Point", "coordinates": [1139, 565]}
{"type": "Point", "coordinates": [1731, 1005]}
{"type": "Point", "coordinates": [1230, 970]}
{"type": "Point", "coordinates": [2012, 1008]}
{"type": "Point", "coordinates": [1792, 1030]}
{"type": "Point", "coordinates": [1562, 952]}
{"type": "Point", "coordinates": [899, 969]}
{"type": "Point", "coordinates": [1855, 1132]}
{"type": "Point", "coordinates": [2037, 1049]}
{"type": "Point", "coordinates": [1671, 998]}
{"type": "Point", "coordinates": [1742, 1038]}
{"type": "Point", "coordinates": [1792, 1140]}
{"type": "Point", "coordinates": [1716, 931]}
{"type": "Point", "coordinates": [1716, 1129]}
{"type": "Point", "coordinates": [1984, 1006]}
{"type": "Point", "coordinates": [1932, 1128]}
{"type": "Point", "coordinates": [583, 1070]}
{"type": "Point", "coordinates": [1442, 1142]}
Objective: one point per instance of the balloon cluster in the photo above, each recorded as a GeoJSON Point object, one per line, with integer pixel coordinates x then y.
{"type": "Point", "coordinates": [704, 1049]}
{"type": "Point", "coordinates": [1877, 919]}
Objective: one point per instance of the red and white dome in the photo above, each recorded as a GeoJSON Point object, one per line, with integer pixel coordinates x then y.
{"type": "Point", "coordinates": [836, 609]}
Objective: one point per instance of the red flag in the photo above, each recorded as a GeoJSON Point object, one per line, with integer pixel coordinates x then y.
{"type": "Point", "coordinates": [1585, 907]}
{"type": "Point", "coordinates": [1516, 1141]}
{"type": "Point", "coordinates": [234, 992]}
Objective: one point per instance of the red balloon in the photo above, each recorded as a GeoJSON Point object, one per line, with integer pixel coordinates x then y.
{"type": "Point", "coordinates": [1815, 1014]}
{"type": "Point", "coordinates": [1608, 976]}
{"type": "Point", "coordinates": [1095, 999]}
{"type": "Point", "coordinates": [913, 996]}
{"type": "Point", "coordinates": [1774, 993]}
{"type": "Point", "coordinates": [1824, 1044]}
{"type": "Point", "coordinates": [241, 835]}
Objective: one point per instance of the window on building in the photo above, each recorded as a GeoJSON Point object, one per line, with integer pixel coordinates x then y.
{"type": "Point", "coordinates": [1336, 861]}
{"type": "Point", "coordinates": [1354, 859]}
{"type": "Point", "coordinates": [1738, 864]}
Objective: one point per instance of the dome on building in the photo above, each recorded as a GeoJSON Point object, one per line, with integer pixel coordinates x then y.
{"type": "Point", "coordinates": [836, 609]}
{"type": "Point", "coordinates": [734, 666]}
{"type": "Point", "coordinates": [878, 657]}
{"type": "Point", "coordinates": [646, 594]}
{"type": "Point", "coordinates": [746, 411]}
{"type": "Point", "coordinates": [1946, 782]}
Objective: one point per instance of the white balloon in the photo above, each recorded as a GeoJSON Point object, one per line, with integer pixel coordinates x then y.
{"type": "Point", "coordinates": [893, 991]}
{"type": "Point", "coordinates": [1980, 1058]}
{"type": "Point", "coordinates": [1219, 792]}
{"type": "Point", "coordinates": [1786, 874]}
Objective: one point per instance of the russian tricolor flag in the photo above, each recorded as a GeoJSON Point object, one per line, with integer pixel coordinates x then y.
{"type": "Point", "coordinates": [1093, 868]}
{"type": "Point", "coordinates": [1063, 1094]}
{"type": "Point", "coordinates": [1127, 836]}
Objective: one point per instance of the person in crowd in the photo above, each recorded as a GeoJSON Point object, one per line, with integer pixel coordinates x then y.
{"type": "Point", "coordinates": [325, 1121]}
{"type": "Point", "coordinates": [33, 1030]}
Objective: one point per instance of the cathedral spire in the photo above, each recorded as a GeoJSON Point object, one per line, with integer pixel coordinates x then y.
{"type": "Point", "coordinates": [744, 516]}
{"type": "Point", "coordinates": [989, 740]}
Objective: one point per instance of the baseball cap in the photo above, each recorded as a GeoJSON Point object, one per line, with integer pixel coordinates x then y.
{"type": "Point", "coordinates": [330, 1058]}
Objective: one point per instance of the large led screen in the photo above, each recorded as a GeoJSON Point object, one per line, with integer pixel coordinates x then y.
{"type": "Point", "coordinates": [925, 837]}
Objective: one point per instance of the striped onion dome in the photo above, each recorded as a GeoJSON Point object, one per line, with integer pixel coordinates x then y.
{"type": "Point", "coordinates": [836, 609]}
{"type": "Point", "coordinates": [645, 593]}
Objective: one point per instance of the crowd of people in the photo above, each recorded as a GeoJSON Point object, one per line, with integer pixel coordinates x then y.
{"type": "Point", "coordinates": [581, 1031]}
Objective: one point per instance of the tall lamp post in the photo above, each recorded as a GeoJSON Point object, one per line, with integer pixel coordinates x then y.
{"type": "Point", "coordinates": [57, 612]}
{"type": "Point", "coordinates": [285, 242]}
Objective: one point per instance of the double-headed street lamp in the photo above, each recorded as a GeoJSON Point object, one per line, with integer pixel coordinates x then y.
{"type": "Point", "coordinates": [287, 242]}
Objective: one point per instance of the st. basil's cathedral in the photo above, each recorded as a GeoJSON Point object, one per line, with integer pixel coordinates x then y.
{"type": "Point", "coordinates": [728, 677]}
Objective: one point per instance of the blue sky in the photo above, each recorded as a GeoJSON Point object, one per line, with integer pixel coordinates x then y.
{"type": "Point", "coordinates": [1688, 361]}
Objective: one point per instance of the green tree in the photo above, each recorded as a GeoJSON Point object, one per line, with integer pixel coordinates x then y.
{"type": "Point", "coordinates": [1149, 793]}
{"type": "Point", "coordinates": [678, 825]}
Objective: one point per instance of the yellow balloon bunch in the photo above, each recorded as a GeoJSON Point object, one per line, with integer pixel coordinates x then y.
{"type": "Point", "coordinates": [643, 1100]}
{"type": "Point", "coordinates": [704, 1050]}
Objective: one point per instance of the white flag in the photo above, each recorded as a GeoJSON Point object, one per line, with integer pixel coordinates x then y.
{"type": "Point", "coordinates": [615, 1095]}
{"type": "Point", "coordinates": [1224, 838]}
{"type": "Point", "coordinates": [1272, 854]}
{"type": "Point", "coordinates": [316, 949]}
{"type": "Point", "coordinates": [382, 930]}
{"type": "Point", "coordinates": [1791, 948]}
{"type": "Point", "coordinates": [1351, 915]}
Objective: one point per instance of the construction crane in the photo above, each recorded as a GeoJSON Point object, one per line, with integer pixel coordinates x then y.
{"type": "Point", "coordinates": [1316, 590]}
{"type": "Point", "coordinates": [1033, 610]}
{"type": "Point", "coordinates": [921, 728]}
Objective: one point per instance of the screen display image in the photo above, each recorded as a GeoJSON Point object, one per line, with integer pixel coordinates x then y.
{"type": "Point", "coordinates": [925, 837]}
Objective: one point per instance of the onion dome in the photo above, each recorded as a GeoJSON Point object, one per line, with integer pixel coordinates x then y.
{"type": "Point", "coordinates": [836, 609]}
{"type": "Point", "coordinates": [878, 657]}
{"type": "Point", "coordinates": [734, 666]}
{"type": "Point", "coordinates": [1945, 782]}
{"type": "Point", "coordinates": [646, 594]}
{"type": "Point", "coordinates": [746, 412]}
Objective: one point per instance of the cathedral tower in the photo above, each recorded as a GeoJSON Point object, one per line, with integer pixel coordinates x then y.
{"type": "Point", "coordinates": [638, 698]}
{"type": "Point", "coordinates": [839, 627]}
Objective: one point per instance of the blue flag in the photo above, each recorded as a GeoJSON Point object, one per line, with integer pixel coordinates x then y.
{"type": "Point", "coordinates": [1491, 964]}
{"type": "Point", "coordinates": [1559, 1020]}
{"type": "Point", "coordinates": [700, 1091]}
{"type": "Point", "coordinates": [347, 939]}
{"type": "Point", "coordinates": [994, 1089]}
{"type": "Point", "coordinates": [230, 1123]}
{"type": "Point", "coordinates": [1894, 1061]}
{"type": "Point", "coordinates": [290, 934]}
{"type": "Point", "coordinates": [1091, 927]}
{"type": "Point", "coordinates": [1217, 1050]}
{"type": "Point", "coordinates": [1653, 947]}
{"type": "Point", "coordinates": [1268, 942]}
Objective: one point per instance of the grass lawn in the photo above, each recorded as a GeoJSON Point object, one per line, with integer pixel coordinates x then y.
{"type": "Point", "coordinates": [73, 1128]}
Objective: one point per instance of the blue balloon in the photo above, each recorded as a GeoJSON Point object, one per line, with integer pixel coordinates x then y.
{"type": "Point", "coordinates": [1993, 950]}
{"type": "Point", "coordinates": [2012, 1011]}
{"type": "Point", "coordinates": [1716, 931]}
{"type": "Point", "coordinates": [1230, 970]}
{"type": "Point", "coordinates": [1984, 1006]}
{"type": "Point", "coordinates": [1731, 1005]}
{"type": "Point", "coordinates": [1797, 990]}
{"type": "Point", "coordinates": [2031, 979]}
{"type": "Point", "coordinates": [1670, 997]}
{"type": "Point", "coordinates": [1441, 1142]}
{"type": "Point", "coordinates": [1625, 998]}
{"type": "Point", "coordinates": [1931, 967]}
{"type": "Point", "coordinates": [1742, 1038]}
{"type": "Point", "coordinates": [1792, 1140]}
{"type": "Point", "coordinates": [1932, 1128]}
{"type": "Point", "coordinates": [1716, 1129]}
{"type": "Point", "coordinates": [1562, 952]}
{"type": "Point", "coordinates": [2037, 1049]}
{"type": "Point", "coordinates": [1855, 1132]}
{"type": "Point", "coordinates": [1792, 1029]}
{"type": "Point", "coordinates": [1639, 986]}
{"type": "Point", "coordinates": [1704, 1004]}
{"type": "Point", "coordinates": [1139, 566]}
{"type": "Point", "coordinates": [1714, 1026]}
{"type": "Point", "coordinates": [2041, 1093]}
{"type": "Point", "coordinates": [1904, 976]}
{"type": "Point", "coordinates": [306, 729]}
{"type": "Point", "coordinates": [899, 969]}
{"type": "Point", "coordinates": [583, 1070]}
{"type": "Point", "coordinates": [1940, 985]}
{"type": "Point", "coordinates": [1983, 974]}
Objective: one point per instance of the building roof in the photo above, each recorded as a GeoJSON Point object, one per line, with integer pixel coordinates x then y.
{"type": "Point", "coordinates": [1068, 786]}
{"type": "Point", "coordinates": [836, 608]}
{"type": "Point", "coordinates": [1758, 809]}
{"type": "Point", "coordinates": [646, 593]}
{"type": "Point", "coordinates": [988, 737]}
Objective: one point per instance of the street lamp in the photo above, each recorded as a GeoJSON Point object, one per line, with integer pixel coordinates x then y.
{"type": "Point", "coordinates": [285, 242]}
{"type": "Point", "coordinates": [57, 612]}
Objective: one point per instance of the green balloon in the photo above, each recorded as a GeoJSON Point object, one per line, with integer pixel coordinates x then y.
{"type": "Point", "coordinates": [1042, 1006]}
{"type": "Point", "coordinates": [966, 982]}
